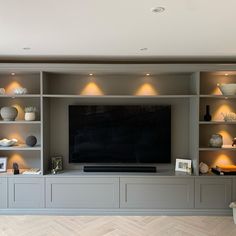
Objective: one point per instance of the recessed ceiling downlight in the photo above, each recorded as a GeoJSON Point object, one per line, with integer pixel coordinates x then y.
{"type": "Point", "coordinates": [157, 9]}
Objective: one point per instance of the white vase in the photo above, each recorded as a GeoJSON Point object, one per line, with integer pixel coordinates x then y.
{"type": "Point", "coordinates": [30, 116]}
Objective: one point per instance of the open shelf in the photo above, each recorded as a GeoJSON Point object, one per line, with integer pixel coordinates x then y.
{"type": "Point", "coordinates": [20, 122]}
{"type": "Point", "coordinates": [116, 96]}
{"type": "Point", "coordinates": [21, 147]}
{"type": "Point", "coordinates": [217, 122]}
{"type": "Point", "coordinates": [224, 147]}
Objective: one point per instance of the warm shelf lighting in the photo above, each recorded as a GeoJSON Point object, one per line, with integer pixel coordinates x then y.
{"type": "Point", "coordinates": [13, 73]}
{"type": "Point", "coordinates": [226, 74]}
{"type": "Point", "coordinates": [90, 74]}
{"type": "Point", "coordinates": [147, 74]}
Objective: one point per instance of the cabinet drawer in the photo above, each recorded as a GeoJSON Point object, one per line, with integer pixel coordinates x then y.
{"type": "Point", "coordinates": [82, 192]}
{"type": "Point", "coordinates": [3, 192]}
{"type": "Point", "coordinates": [213, 192]}
{"type": "Point", "coordinates": [26, 192]}
{"type": "Point", "coordinates": [156, 193]}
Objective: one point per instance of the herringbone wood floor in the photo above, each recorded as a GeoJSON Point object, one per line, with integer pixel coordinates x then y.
{"type": "Point", "coordinates": [116, 226]}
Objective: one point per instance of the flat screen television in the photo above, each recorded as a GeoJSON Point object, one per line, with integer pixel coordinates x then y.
{"type": "Point", "coordinates": [120, 134]}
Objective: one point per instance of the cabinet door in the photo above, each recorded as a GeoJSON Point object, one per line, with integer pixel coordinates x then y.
{"type": "Point", "coordinates": [213, 192]}
{"type": "Point", "coordinates": [82, 192]}
{"type": "Point", "coordinates": [26, 192]}
{"type": "Point", "coordinates": [157, 192]}
{"type": "Point", "coordinates": [3, 192]}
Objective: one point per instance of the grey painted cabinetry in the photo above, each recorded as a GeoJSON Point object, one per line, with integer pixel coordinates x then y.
{"type": "Point", "coordinates": [3, 192]}
{"type": "Point", "coordinates": [83, 192]}
{"type": "Point", "coordinates": [26, 192]}
{"type": "Point", "coordinates": [213, 193]}
{"type": "Point", "coordinates": [149, 193]}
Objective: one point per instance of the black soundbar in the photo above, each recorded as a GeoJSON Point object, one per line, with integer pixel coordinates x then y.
{"type": "Point", "coordinates": [149, 169]}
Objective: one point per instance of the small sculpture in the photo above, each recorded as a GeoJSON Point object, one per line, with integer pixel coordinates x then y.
{"type": "Point", "coordinates": [31, 140]}
{"type": "Point", "coordinates": [203, 168]}
{"type": "Point", "coordinates": [234, 142]}
{"type": "Point", "coordinates": [16, 170]}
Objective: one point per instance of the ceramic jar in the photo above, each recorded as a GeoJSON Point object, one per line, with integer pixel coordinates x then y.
{"type": "Point", "coordinates": [9, 113]}
{"type": "Point", "coordinates": [216, 141]}
{"type": "Point", "coordinates": [30, 116]}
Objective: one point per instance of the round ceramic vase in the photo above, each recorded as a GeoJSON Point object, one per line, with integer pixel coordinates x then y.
{"type": "Point", "coordinates": [9, 113]}
{"type": "Point", "coordinates": [216, 141]}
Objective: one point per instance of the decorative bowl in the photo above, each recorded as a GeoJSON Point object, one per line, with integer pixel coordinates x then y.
{"type": "Point", "coordinates": [8, 142]}
{"type": "Point", "coordinates": [20, 91]}
{"type": "Point", "coordinates": [227, 89]}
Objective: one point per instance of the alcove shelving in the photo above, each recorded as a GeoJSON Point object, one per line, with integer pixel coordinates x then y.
{"type": "Point", "coordinates": [219, 104]}
{"type": "Point", "coordinates": [180, 90]}
{"type": "Point", "coordinates": [27, 157]}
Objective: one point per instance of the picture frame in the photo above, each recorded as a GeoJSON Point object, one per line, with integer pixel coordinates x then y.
{"type": "Point", "coordinates": [3, 164]}
{"type": "Point", "coordinates": [57, 163]}
{"type": "Point", "coordinates": [184, 165]}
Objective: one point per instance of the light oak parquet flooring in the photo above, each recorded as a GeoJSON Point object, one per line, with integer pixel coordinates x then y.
{"type": "Point", "coordinates": [116, 226]}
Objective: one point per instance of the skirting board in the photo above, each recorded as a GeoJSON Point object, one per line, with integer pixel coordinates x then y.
{"type": "Point", "coordinates": [120, 212]}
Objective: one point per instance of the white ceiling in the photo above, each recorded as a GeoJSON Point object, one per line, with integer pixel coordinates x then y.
{"type": "Point", "coordinates": [118, 28]}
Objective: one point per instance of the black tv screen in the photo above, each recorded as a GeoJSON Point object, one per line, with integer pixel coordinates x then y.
{"type": "Point", "coordinates": [120, 134]}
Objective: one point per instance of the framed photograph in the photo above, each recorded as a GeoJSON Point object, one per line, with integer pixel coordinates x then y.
{"type": "Point", "coordinates": [3, 164]}
{"type": "Point", "coordinates": [57, 163]}
{"type": "Point", "coordinates": [184, 165]}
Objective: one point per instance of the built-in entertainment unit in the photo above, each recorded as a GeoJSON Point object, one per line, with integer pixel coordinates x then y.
{"type": "Point", "coordinates": [120, 134]}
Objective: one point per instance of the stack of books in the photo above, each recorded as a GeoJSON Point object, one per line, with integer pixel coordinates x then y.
{"type": "Point", "coordinates": [224, 170]}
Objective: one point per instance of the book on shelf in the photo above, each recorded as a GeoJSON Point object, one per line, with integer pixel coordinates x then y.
{"type": "Point", "coordinates": [224, 170]}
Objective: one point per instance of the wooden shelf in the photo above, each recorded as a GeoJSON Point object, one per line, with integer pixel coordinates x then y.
{"type": "Point", "coordinates": [20, 122]}
{"type": "Point", "coordinates": [20, 147]}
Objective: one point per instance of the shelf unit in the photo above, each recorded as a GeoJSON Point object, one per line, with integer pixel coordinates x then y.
{"type": "Point", "coordinates": [211, 95]}
{"type": "Point", "coordinates": [27, 157]}
{"type": "Point", "coordinates": [52, 90]}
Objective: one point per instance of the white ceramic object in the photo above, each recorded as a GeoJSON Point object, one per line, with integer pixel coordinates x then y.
{"type": "Point", "coordinates": [216, 141]}
{"type": "Point", "coordinates": [227, 89]}
{"type": "Point", "coordinates": [9, 113]}
{"type": "Point", "coordinates": [8, 142]}
{"type": "Point", "coordinates": [203, 168]}
{"type": "Point", "coordinates": [229, 116]}
{"type": "Point", "coordinates": [2, 91]}
{"type": "Point", "coordinates": [20, 91]}
{"type": "Point", "coordinates": [30, 116]}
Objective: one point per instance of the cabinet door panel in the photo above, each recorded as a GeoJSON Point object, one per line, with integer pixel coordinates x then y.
{"type": "Point", "coordinates": [213, 193]}
{"type": "Point", "coordinates": [3, 192]}
{"type": "Point", "coordinates": [26, 192]}
{"type": "Point", "coordinates": [82, 192]}
{"type": "Point", "coordinates": [159, 193]}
